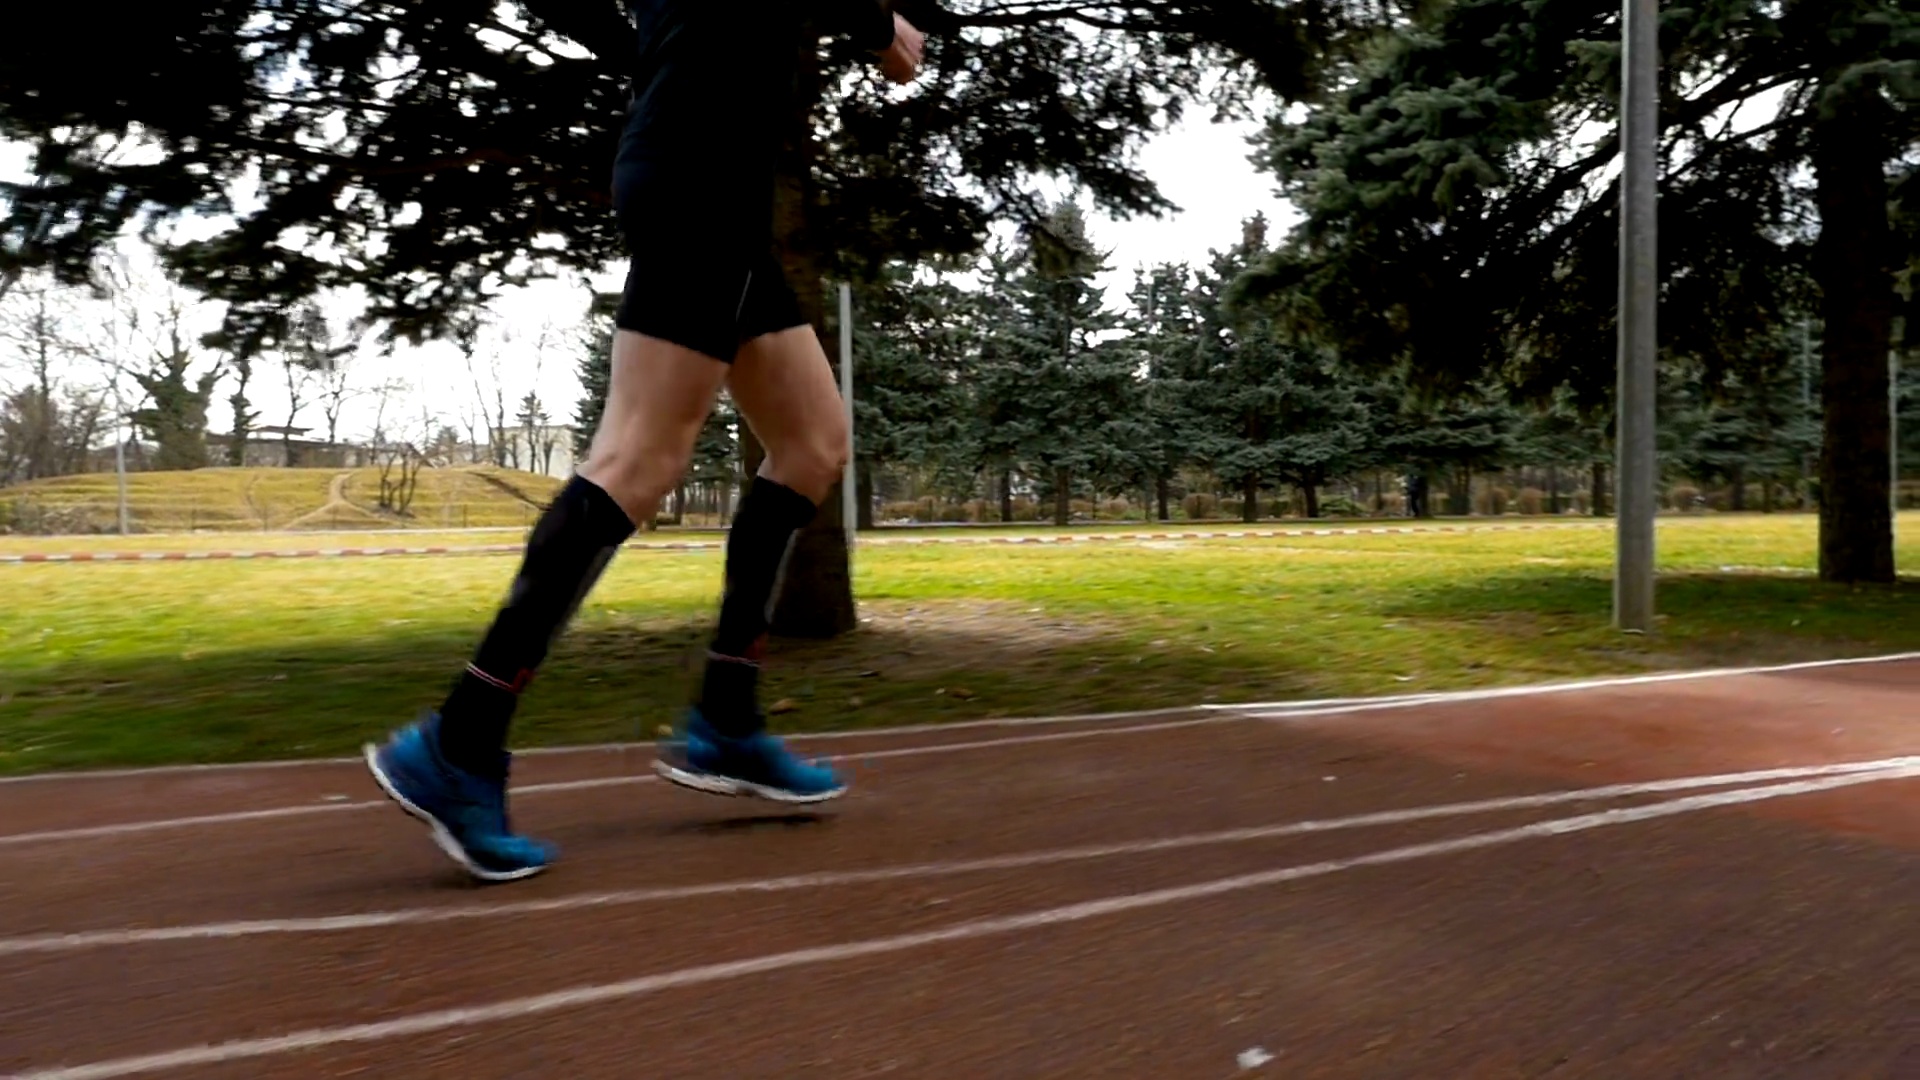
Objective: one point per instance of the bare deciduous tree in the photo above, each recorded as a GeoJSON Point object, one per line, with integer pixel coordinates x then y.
{"type": "Point", "coordinates": [400, 462]}
{"type": "Point", "coordinates": [314, 352]}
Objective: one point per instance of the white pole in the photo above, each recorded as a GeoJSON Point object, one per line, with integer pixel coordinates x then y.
{"type": "Point", "coordinates": [1633, 581]}
{"type": "Point", "coordinates": [849, 493]}
{"type": "Point", "coordinates": [120, 449]}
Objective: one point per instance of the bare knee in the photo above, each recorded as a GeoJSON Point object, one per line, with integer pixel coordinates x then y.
{"type": "Point", "coordinates": [810, 465]}
{"type": "Point", "coordinates": [636, 459]}
{"type": "Point", "coordinates": [635, 474]}
{"type": "Point", "coordinates": [657, 400]}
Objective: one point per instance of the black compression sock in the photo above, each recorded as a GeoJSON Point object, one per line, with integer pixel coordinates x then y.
{"type": "Point", "coordinates": [756, 550]}
{"type": "Point", "coordinates": [569, 548]}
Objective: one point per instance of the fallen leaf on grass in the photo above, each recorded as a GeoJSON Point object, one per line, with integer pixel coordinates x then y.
{"type": "Point", "coordinates": [784, 705]}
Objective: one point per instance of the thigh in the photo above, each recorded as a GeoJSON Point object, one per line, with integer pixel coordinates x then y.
{"type": "Point", "coordinates": [658, 392]}
{"type": "Point", "coordinates": [658, 399]}
{"type": "Point", "coordinates": [786, 391]}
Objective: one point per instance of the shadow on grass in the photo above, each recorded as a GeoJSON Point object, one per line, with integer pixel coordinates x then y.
{"type": "Point", "coordinates": [1702, 617]}
{"type": "Point", "coordinates": [932, 661]}
{"type": "Point", "coordinates": [606, 681]}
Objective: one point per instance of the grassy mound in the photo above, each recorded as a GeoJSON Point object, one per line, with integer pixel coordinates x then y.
{"type": "Point", "coordinates": [247, 499]}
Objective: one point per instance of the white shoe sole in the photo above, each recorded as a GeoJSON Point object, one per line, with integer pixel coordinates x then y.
{"type": "Point", "coordinates": [441, 837]}
{"type": "Point", "coordinates": [722, 785]}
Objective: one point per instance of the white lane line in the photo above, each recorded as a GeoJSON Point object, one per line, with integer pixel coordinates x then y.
{"type": "Point", "coordinates": [126, 828]}
{"type": "Point", "coordinates": [130, 828]}
{"type": "Point", "coordinates": [91, 939]}
{"type": "Point", "coordinates": [1255, 709]}
{"type": "Point", "coordinates": [1279, 710]}
{"type": "Point", "coordinates": [602, 993]}
{"type": "Point", "coordinates": [861, 756]}
{"type": "Point", "coordinates": [797, 738]}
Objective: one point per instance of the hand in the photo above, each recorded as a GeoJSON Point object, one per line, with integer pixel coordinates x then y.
{"type": "Point", "coordinates": [900, 61]}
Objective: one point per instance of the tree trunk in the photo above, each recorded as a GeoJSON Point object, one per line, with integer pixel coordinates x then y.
{"type": "Point", "coordinates": [1062, 496]}
{"type": "Point", "coordinates": [1006, 495]}
{"type": "Point", "coordinates": [1311, 492]}
{"type": "Point", "coordinates": [680, 504]}
{"type": "Point", "coordinates": [1766, 494]}
{"type": "Point", "coordinates": [1249, 498]}
{"type": "Point", "coordinates": [1853, 263]}
{"type": "Point", "coordinates": [1460, 492]}
{"type": "Point", "coordinates": [1553, 490]}
{"type": "Point", "coordinates": [242, 414]}
{"type": "Point", "coordinates": [1599, 495]}
{"type": "Point", "coordinates": [1162, 490]}
{"type": "Point", "coordinates": [1737, 498]}
{"type": "Point", "coordinates": [863, 502]}
{"type": "Point", "coordinates": [816, 596]}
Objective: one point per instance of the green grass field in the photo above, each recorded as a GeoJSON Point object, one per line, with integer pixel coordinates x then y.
{"type": "Point", "coordinates": [236, 500]}
{"type": "Point", "coordinates": [148, 663]}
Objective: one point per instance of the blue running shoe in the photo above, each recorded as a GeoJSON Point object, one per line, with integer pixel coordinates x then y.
{"type": "Point", "coordinates": [468, 814]}
{"type": "Point", "coordinates": [760, 766]}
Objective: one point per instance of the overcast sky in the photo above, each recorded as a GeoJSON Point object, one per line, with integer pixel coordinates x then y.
{"type": "Point", "coordinates": [1201, 166]}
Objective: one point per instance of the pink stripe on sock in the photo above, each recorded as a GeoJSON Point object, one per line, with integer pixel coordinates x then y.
{"type": "Point", "coordinates": [491, 681]}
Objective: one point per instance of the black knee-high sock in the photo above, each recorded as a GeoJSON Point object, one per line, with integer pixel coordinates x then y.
{"type": "Point", "coordinates": [569, 548]}
{"type": "Point", "coordinates": [756, 549]}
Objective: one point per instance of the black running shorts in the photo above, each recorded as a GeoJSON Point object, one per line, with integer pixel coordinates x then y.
{"type": "Point", "coordinates": [702, 274]}
{"type": "Point", "coordinates": [693, 179]}
{"type": "Point", "coordinates": [709, 300]}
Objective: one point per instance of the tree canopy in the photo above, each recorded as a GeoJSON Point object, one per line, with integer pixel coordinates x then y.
{"type": "Point", "coordinates": [429, 154]}
{"type": "Point", "coordinates": [1459, 192]}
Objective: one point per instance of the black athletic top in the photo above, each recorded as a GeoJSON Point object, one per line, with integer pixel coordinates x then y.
{"type": "Point", "coordinates": [713, 85]}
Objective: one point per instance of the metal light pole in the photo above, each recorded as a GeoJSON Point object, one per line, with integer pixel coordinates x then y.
{"type": "Point", "coordinates": [1634, 464]}
{"type": "Point", "coordinates": [120, 472]}
{"type": "Point", "coordinates": [849, 494]}
{"type": "Point", "coordinates": [120, 426]}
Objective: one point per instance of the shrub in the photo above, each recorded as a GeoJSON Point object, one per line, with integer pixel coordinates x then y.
{"type": "Point", "coordinates": [1341, 506]}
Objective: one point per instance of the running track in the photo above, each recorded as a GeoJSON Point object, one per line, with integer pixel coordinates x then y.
{"type": "Point", "coordinates": [177, 555]}
{"type": "Point", "coordinates": [1692, 877]}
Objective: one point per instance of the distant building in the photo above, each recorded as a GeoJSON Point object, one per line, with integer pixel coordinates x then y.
{"type": "Point", "coordinates": [270, 446]}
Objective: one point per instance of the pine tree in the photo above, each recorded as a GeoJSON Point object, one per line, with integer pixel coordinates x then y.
{"type": "Point", "coordinates": [1165, 327]}
{"type": "Point", "coordinates": [1270, 407]}
{"type": "Point", "coordinates": [1458, 219]}
{"type": "Point", "coordinates": [909, 346]}
{"type": "Point", "coordinates": [594, 339]}
{"type": "Point", "coordinates": [1069, 395]}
